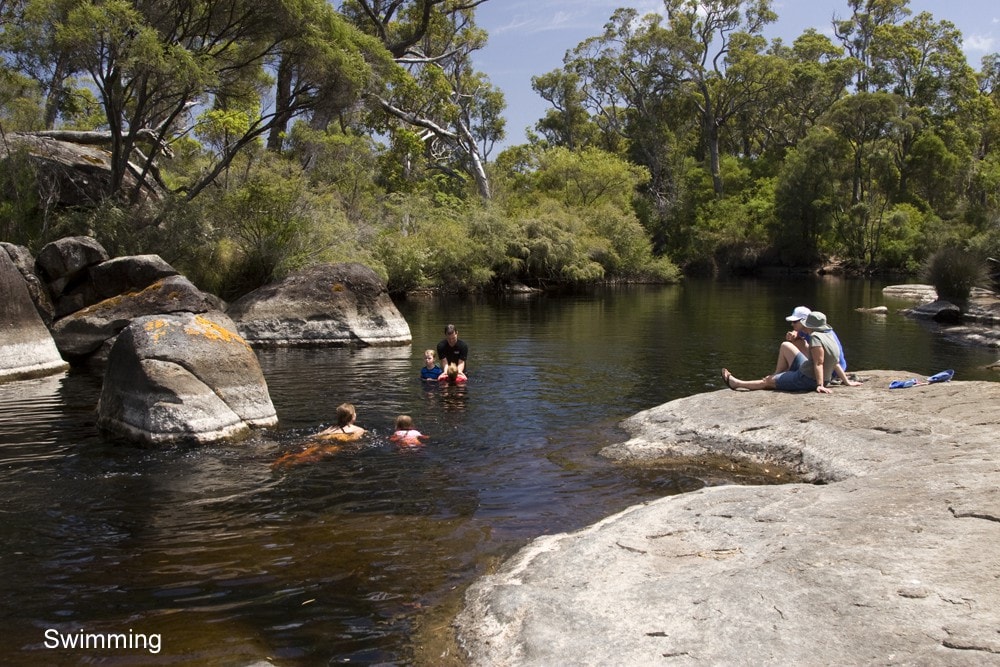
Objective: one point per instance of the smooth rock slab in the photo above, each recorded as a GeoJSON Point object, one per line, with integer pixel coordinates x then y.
{"type": "Point", "coordinates": [892, 561]}
{"type": "Point", "coordinates": [27, 349]}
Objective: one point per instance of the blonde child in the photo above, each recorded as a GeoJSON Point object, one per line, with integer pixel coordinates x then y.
{"type": "Point", "coordinates": [405, 434]}
{"type": "Point", "coordinates": [430, 371]}
{"type": "Point", "coordinates": [452, 375]}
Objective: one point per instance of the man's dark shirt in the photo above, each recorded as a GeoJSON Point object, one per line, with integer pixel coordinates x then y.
{"type": "Point", "coordinates": [452, 355]}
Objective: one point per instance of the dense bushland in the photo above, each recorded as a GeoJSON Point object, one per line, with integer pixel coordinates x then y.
{"type": "Point", "coordinates": [678, 141]}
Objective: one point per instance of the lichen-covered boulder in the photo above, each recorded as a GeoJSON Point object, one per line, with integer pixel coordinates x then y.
{"type": "Point", "coordinates": [26, 347]}
{"type": "Point", "coordinates": [183, 377]}
{"type": "Point", "coordinates": [91, 331]}
{"type": "Point", "coordinates": [327, 304]}
{"type": "Point", "coordinates": [128, 274]}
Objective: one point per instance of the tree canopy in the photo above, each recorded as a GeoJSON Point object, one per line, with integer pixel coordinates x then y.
{"type": "Point", "coordinates": [293, 131]}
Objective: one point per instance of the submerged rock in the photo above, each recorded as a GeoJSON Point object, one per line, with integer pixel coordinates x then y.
{"type": "Point", "coordinates": [886, 561]}
{"type": "Point", "coordinates": [326, 304]}
{"type": "Point", "coordinates": [183, 377]}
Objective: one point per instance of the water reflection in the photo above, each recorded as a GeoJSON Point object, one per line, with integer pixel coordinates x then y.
{"type": "Point", "coordinates": [234, 562]}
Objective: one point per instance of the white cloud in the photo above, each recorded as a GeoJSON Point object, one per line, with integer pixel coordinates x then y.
{"type": "Point", "coordinates": [536, 16]}
{"type": "Point", "coordinates": [982, 43]}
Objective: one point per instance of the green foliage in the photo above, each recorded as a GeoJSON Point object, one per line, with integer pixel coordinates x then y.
{"type": "Point", "coordinates": [346, 166]}
{"type": "Point", "coordinates": [427, 245]}
{"type": "Point", "coordinates": [20, 102]}
{"type": "Point", "coordinates": [902, 244]}
{"type": "Point", "coordinates": [805, 197]}
{"type": "Point", "coordinates": [22, 220]}
{"type": "Point", "coordinates": [685, 133]}
{"type": "Point", "coordinates": [575, 218]}
{"type": "Point", "coordinates": [272, 223]}
{"type": "Point", "coordinates": [954, 273]}
{"type": "Point", "coordinates": [553, 246]}
{"type": "Point", "coordinates": [733, 230]}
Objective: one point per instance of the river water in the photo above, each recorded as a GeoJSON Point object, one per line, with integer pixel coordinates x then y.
{"type": "Point", "coordinates": [359, 558]}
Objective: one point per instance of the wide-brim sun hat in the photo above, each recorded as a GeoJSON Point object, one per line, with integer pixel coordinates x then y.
{"type": "Point", "coordinates": [816, 321]}
{"type": "Point", "coordinates": [800, 313]}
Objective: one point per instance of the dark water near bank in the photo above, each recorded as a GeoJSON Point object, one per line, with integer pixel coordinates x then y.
{"type": "Point", "coordinates": [346, 560]}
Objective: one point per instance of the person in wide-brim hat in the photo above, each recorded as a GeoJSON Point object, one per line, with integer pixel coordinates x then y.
{"type": "Point", "coordinates": [799, 336]}
{"type": "Point", "coordinates": [816, 321]}
{"type": "Point", "coordinates": [795, 370]}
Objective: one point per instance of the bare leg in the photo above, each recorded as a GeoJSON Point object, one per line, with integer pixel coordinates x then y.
{"type": "Point", "coordinates": [749, 385]}
{"type": "Point", "coordinates": [786, 355]}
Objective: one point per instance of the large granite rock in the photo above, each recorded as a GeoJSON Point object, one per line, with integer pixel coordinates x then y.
{"type": "Point", "coordinates": [183, 377]}
{"type": "Point", "coordinates": [26, 347]}
{"type": "Point", "coordinates": [326, 304]}
{"type": "Point", "coordinates": [890, 560]}
{"type": "Point", "coordinates": [74, 173]}
{"type": "Point", "coordinates": [91, 331]}
{"type": "Point", "coordinates": [63, 264]}
{"type": "Point", "coordinates": [25, 263]}
{"type": "Point", "coordinates": [80, 274]}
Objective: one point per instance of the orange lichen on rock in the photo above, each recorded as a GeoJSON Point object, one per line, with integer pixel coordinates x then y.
{"type": "Point", "coordinates": [338, 287]}
{"type": "Point", "coordinates": [213, 331]}
{"type": "Point", "coordinates": [156, 329]}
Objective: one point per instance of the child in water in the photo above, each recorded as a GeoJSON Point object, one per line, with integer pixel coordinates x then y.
{"type": "Point", "coordinates": [405, 434]}
{"type": "Point", "coordinates": [345, 431]}
{"type": "Point", "coordinates": [345, 428]}
{"type": "Point", "coordinates": [430, 371]}
{"type": "Point", "coordinates": [451, 375]}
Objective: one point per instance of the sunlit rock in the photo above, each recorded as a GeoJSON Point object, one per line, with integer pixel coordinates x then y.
{"type": "Point", "coordinates": [92, 330]}
{"type": "Point", "coordinates": [887, 558]}
{"type": "Point", "coordinates": [326, 304]}
{"type": "Point", "coordinates": [26, 347]}
{"type": "Point", "coordinates": [183, 377]}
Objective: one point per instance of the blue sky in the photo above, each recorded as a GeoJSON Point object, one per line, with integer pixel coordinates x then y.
{"type": "Point", "coordinates": [530, 37]}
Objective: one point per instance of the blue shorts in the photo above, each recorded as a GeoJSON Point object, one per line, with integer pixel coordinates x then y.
{"type": "Point", "coordinates": [793, 379]}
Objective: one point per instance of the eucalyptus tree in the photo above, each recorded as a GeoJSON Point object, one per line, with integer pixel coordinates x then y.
{"type": "Point", "coordinates": [982, 188]}
{"type": "Point", "coordinates": [568, 122]}
{"type": "Point", "coordinates": [703, 38]}
{"type": "Point", "coordinates": [921, 61]}
{"type": "Point", "coordinates": [869, 124]}
{"type": "Point", "coordinates": [453, 109]}
{"type": "Point", "coordinates": [27, 41]}
{"type": "Point", "coordinates": [153, 64]}
{"type": "Point", "coordinates": [625, 81]}
{"type": "Point", "coordinates": [857, 34]}
{"type": "Point", "coordinates": [809, 77]}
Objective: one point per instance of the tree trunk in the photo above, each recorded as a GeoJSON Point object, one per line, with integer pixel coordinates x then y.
{"type": "Point", "coordinates": [282, 95]}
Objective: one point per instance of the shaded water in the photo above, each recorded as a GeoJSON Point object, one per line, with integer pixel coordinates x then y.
{"type": "Point", "coordinates": [339, 561]}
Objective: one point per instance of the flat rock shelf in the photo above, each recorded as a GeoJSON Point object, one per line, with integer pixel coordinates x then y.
{"type": "Point", "coordinates": [887, 554]}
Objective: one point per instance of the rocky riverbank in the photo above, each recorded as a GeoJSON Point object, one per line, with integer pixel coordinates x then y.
{"type": "Point", "coordinates": [888, 557]}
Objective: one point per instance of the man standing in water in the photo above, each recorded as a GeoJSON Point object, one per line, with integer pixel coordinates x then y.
{"type": "Point", "coordinates": [452, 350]}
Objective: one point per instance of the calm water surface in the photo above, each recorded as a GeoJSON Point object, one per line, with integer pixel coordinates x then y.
{"type": "Point", "coordinates": [348, 560]}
